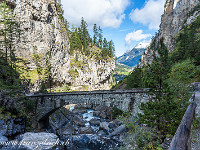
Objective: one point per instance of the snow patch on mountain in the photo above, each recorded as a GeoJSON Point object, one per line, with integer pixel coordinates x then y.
{"type": "Point", "coordinates": [143, 44]}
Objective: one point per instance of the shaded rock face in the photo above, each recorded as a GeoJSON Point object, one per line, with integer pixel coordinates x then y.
{"type": "Point", "coordinates": [42, 32]}
{"type": "Point", "coordinates": [176, 15]}
{"type": "Point", "coordinates": [12, 127]}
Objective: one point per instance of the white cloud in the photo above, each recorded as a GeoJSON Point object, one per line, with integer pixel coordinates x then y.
{"type": "Point", "coordinates": [107, 13]}
{"type": "Point", "coordinates": [136, 36]}
{"type": "Point", "coordinates": [150, 14]}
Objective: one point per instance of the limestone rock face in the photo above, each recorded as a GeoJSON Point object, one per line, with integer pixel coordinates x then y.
{"type": "Point", "coordinates": [42, 32]}
{"type": "Point", "coordinates": [90, 74]}
{"type": "Point", "coordinates": [174, 17]}
{"type": "Point", "coordinates": [177, 13]}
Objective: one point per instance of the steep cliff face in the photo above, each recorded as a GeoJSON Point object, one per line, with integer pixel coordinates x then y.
{"type": "Point", "coordinates": [177, 13]}
{"type": "Point", "coordinates": [43, 32]}
{"type": "Point", "coordinates": [44, 43]}
{"type": "Point", "coordinates": [90, 74]}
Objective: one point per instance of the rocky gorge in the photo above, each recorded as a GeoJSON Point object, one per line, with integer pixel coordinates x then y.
{"type": "Point", "coordinates": [71, 127]}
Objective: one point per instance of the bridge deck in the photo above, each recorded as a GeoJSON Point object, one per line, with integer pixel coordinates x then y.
{"type": "Point", "coordinates": [144, 90]}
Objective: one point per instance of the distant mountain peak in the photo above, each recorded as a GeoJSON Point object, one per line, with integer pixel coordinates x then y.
{"type": "Point", "coordinates": [143, 44]}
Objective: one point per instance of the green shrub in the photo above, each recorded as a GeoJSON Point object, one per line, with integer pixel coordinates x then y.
{"type": "Point", "coordinates": [116, 112]}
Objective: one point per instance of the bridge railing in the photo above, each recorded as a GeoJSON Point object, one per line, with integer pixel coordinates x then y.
{"type": "Point", "coordinates": [182, 137]}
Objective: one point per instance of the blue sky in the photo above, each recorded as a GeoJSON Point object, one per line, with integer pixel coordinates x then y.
{"type": "Point", "coordinates": [126, 22]}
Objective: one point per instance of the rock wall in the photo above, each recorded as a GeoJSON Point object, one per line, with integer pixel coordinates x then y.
{"type": "Point", "coordinates": [177, 13]}
{"type": "Point", "coordinates": [42, 31]}
{"type": "Point", "coordinates": [90, 74]}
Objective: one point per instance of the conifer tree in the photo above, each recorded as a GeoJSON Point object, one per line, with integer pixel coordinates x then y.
{"type": "Point", "coordinates": [95, 37]}
{"type": "Point", "coordinates": [161, 112]}
{"type": "Point", "coordinates": [111, 49]}
{"type": "Point", "coordinates": [100, 37]}
{"type": "Point", "coordinates": [83, 32]}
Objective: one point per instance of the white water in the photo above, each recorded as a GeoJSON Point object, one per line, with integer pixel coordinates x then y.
{"type": "Point", "coordinates": [88, 116]}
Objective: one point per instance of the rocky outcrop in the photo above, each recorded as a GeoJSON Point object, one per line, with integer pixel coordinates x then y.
{"type": "Point", "coordinates": [44, 43]}
{"type": "Point", "coordinates": [177, 13]}
{"type": "Point", "coordinates": [90, 74]}
{"type": "Point", "coordinates": [30, 141]}
{"type": "Point", "coordinates": [12, 127]}
{"type": "Point", "coordinates": [42, 33]}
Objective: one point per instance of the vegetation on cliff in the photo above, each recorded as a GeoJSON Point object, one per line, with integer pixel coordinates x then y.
{"type": "Point", "coordinates": [169, 77]}
{"type": "Point", "coordinates": [81, 41]}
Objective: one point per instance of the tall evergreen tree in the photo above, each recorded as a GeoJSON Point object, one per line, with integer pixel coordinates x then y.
{"type": "Point", "coordinates": [111, 49]}
{"type": "Point", "coordinates": [95, 37]}
{"type": "Point", "coordinates": [83, 31]}
{"type": "Point", "coordinates": [100, 37]}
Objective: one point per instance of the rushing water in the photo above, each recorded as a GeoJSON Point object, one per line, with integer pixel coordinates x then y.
{"type": "Point", "coordinates": [89, 116]}
{"type": "Point", "coordinates": [97, 141]}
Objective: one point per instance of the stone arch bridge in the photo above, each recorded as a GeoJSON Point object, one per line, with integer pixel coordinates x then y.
{"type": "Point", "coordinates": [126, 100]}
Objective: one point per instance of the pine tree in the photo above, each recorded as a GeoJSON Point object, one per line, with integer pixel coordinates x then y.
{"type": "Point", "coordinates": [111, 49]}
{"type": "Point", "coordinates": [95, 37]}
{"type": "Point", "coordinates": [100, 37]}
{"type": "Point", "coordinates": [161, 112]}
{"type": "Point", "coordinates": [83, 32]}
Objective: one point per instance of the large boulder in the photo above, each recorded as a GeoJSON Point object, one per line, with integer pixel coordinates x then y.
{"type": "Point", "coordinates": [86, 130]}
{"type": "Point", "coordinates": [93, 142]}
{"type": "Point", "coordinates": [119, 130]}
{"type": "Point", "coordinates": [114, 124]}
{"type": "Point", "coordinates": [30, 141]}
{"type": "Point", "coordinates": [94, 122]}
{"type": "Point", "coordinates": [67, 130]}
{"type": "Point", "coordinates": [78, 121]}
{"type": "Point", "coordinates": [104, 126]}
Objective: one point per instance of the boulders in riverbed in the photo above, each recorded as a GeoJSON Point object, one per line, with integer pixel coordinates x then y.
{"type": "Point", "coordinates": [78, 121]}
{"type": "Point", "coordinates": [94, 122]}
{"type": "Point", "coordinates": [30, 141]}
{"type": "Point", "coordinates": [118, 130]}
{"type": "Point", "coordinates": [67, 130]}
{"type": "Point", "coordinates": [103, 112]}
{"type": "Point", "coordinates": [86, 130]}
{"type": "Point", "coordinates": [114, 124]}
{"type": "Point", "coordinates": [104, 126]}
{"type": "Point", "coordinates": [90, 141]}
